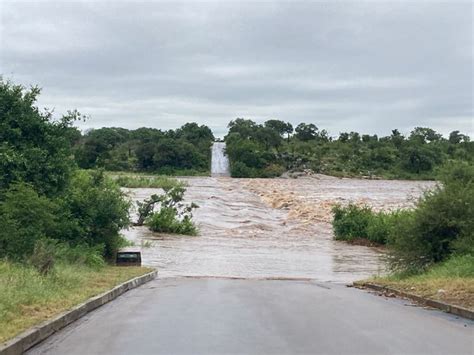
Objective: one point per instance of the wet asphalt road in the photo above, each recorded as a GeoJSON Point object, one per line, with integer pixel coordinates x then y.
{"type": "Point", "coordinates": [225, 316]}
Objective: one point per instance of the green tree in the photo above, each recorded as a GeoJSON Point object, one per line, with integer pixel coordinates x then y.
{"type": "Point", "coordinates": [33, 147]}
{"type": "Point", "coordinates": [306, 132]}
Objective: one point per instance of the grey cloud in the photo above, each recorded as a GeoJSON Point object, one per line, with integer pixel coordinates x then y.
{"type": "Point", "coordinates": [366, 66]}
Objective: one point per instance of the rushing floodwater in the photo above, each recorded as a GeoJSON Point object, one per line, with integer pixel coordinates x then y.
{"type": "Point", "coordinates": [241, 236]}
{"type": "Point", "coordinates": [220, 162]}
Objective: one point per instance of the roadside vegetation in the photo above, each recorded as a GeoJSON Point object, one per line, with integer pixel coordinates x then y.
{"type": "Point", "coordinates": [29, 297]}
{"type": "Point", "coordinates": [59, 225]}
{"type": "Point", "coordinates": [429, 246]}
{"type": "Point", "coordinates": [451, 281]}
{"type": "Point", "coordinates": [269, 149]}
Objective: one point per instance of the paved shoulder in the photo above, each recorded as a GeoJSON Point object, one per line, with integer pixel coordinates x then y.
{"type": "Point", "coordinates": [216, 316]}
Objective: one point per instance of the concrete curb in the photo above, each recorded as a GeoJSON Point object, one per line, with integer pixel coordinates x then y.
{"type": "Point", "coordinates": [36, 334]}
{"type": "Point", "coordinates": [445, 307]}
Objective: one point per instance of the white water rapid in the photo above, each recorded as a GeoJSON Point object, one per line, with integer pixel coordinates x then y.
{"type": "Point", "coordinates": [219, 162]}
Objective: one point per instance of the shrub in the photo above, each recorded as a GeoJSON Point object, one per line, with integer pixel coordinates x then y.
{"type": "Point", "coordinates": [272, 170]}
{"type": "Point", "coordinates": [354, 222]}
{"type": "Point", "coordinates": [25, 218]}
{"type": "Point", "coordinates": [95, 210]}
{"type": "Point", "coordinates": [382, 225]}
{"type": "Point", "coordinates": [33, 147]}
{"type": "Point", "coordinates": [351, 222]}
{"type": "Point", "coordinates": [240, 170]}
{"type": "Point", "coordinates": [172, 216]}
{"type": "Point", "coordinates": [441, 224]}
{"type": "Point", "coordinates": [166, 221]}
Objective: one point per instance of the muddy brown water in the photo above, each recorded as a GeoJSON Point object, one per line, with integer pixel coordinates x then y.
{"type": "Point", "coordinates": [242, 235]}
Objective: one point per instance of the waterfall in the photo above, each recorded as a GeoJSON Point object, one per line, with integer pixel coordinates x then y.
{"type": "Point", "coordinates": [219, 162]}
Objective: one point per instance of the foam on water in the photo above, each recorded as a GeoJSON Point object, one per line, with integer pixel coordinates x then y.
{"type": "Point", "coordinates": [220, 162]}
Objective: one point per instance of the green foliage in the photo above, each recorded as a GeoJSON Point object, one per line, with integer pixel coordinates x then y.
{"type": "Point", "coordinates": [49, 211]}
{"type": "Point", "coordinates": [252, 148]}
{"type": "Point", "coordinates": [135, 181]}
{"type": "Point", "coordinates": [48, 252]}
{"type": "Point", "coordinates": [95, 210]}
{"type": "Point", "coordinates": [43, 256]}
{"type": "Point", "coordinates": [351, 222]}
{"type": "Point", "coordinates": [25, 217]}
{"type": "Point", "coordinates": [33, 148]}
{"type": "Point", "coordinates": [360, 222]}
{"type": "Point", "coordinates": [171, 216]}
{"type": "Point", "coordinates": [166, 221]}
{"type": "Point", "coordinates": [28, 298]}
{"type": "Point", "coordinates": [441, 224]}
{"type": "Point", "coordinates": [186, 149]}
{"type": "Point", "coordinates": [455, 266]}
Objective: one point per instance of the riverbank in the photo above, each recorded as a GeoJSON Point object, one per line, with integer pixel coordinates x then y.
{"type": "Point", "coordinates": [28, 298]}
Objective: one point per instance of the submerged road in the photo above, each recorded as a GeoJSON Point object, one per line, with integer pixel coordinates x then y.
{"type": "Point", "coordinates": [226, 316]}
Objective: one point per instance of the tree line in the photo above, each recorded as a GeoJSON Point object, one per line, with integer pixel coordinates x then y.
{"type": "Point", "coordinates": [269, 149]}
{"type": "Point", "coordinates": [185, 150]}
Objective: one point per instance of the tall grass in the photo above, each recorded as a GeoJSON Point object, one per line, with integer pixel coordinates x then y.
{"type": "Point", "coordinates": [28, 297]}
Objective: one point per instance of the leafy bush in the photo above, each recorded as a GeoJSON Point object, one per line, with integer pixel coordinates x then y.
{"type": "Point", "coordinates": [172, 216]}
{"type": "Point", "coordinates": [166, 221]}
{"type": "Point", "coordinates": [95, 210]}
{"type": "Point", "coordinates": [272, 170]}
{"type": "Point", "coordinates": [33, 148]}
{"type": "Point", "coordinates": [351, 222]}
{"type": "Point", "coordinates": [239, 170]}
{"type": "Point", "coordinates": [25, 218]}
{"type": "Point", "coordinates": [360, 222]}
{"type": "Point", "coordinates": [382, 225]}
{"type": "Point", "coordinates": [441, 224]}
{"type": "Point", "coordinates": [43, 198]}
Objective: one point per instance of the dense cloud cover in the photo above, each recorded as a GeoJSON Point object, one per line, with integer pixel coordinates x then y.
{"type": "Point", "coordinates": [365, 66]}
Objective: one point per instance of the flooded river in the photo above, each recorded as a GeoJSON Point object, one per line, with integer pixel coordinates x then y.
{"type": "Point", "coordinates": [272, 228]}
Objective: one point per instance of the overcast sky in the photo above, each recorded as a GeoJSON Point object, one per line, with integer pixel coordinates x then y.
{"type": "Point", "coordinates": [365, 66]}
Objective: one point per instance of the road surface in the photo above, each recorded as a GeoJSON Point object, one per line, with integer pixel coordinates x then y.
{"type": "Point", "coordinates": [227, 316]}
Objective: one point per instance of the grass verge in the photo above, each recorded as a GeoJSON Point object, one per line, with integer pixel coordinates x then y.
{"type": "Point", "coordinates": [451, 282]}
{"type": "Point", "coordinates": [27, 298]}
